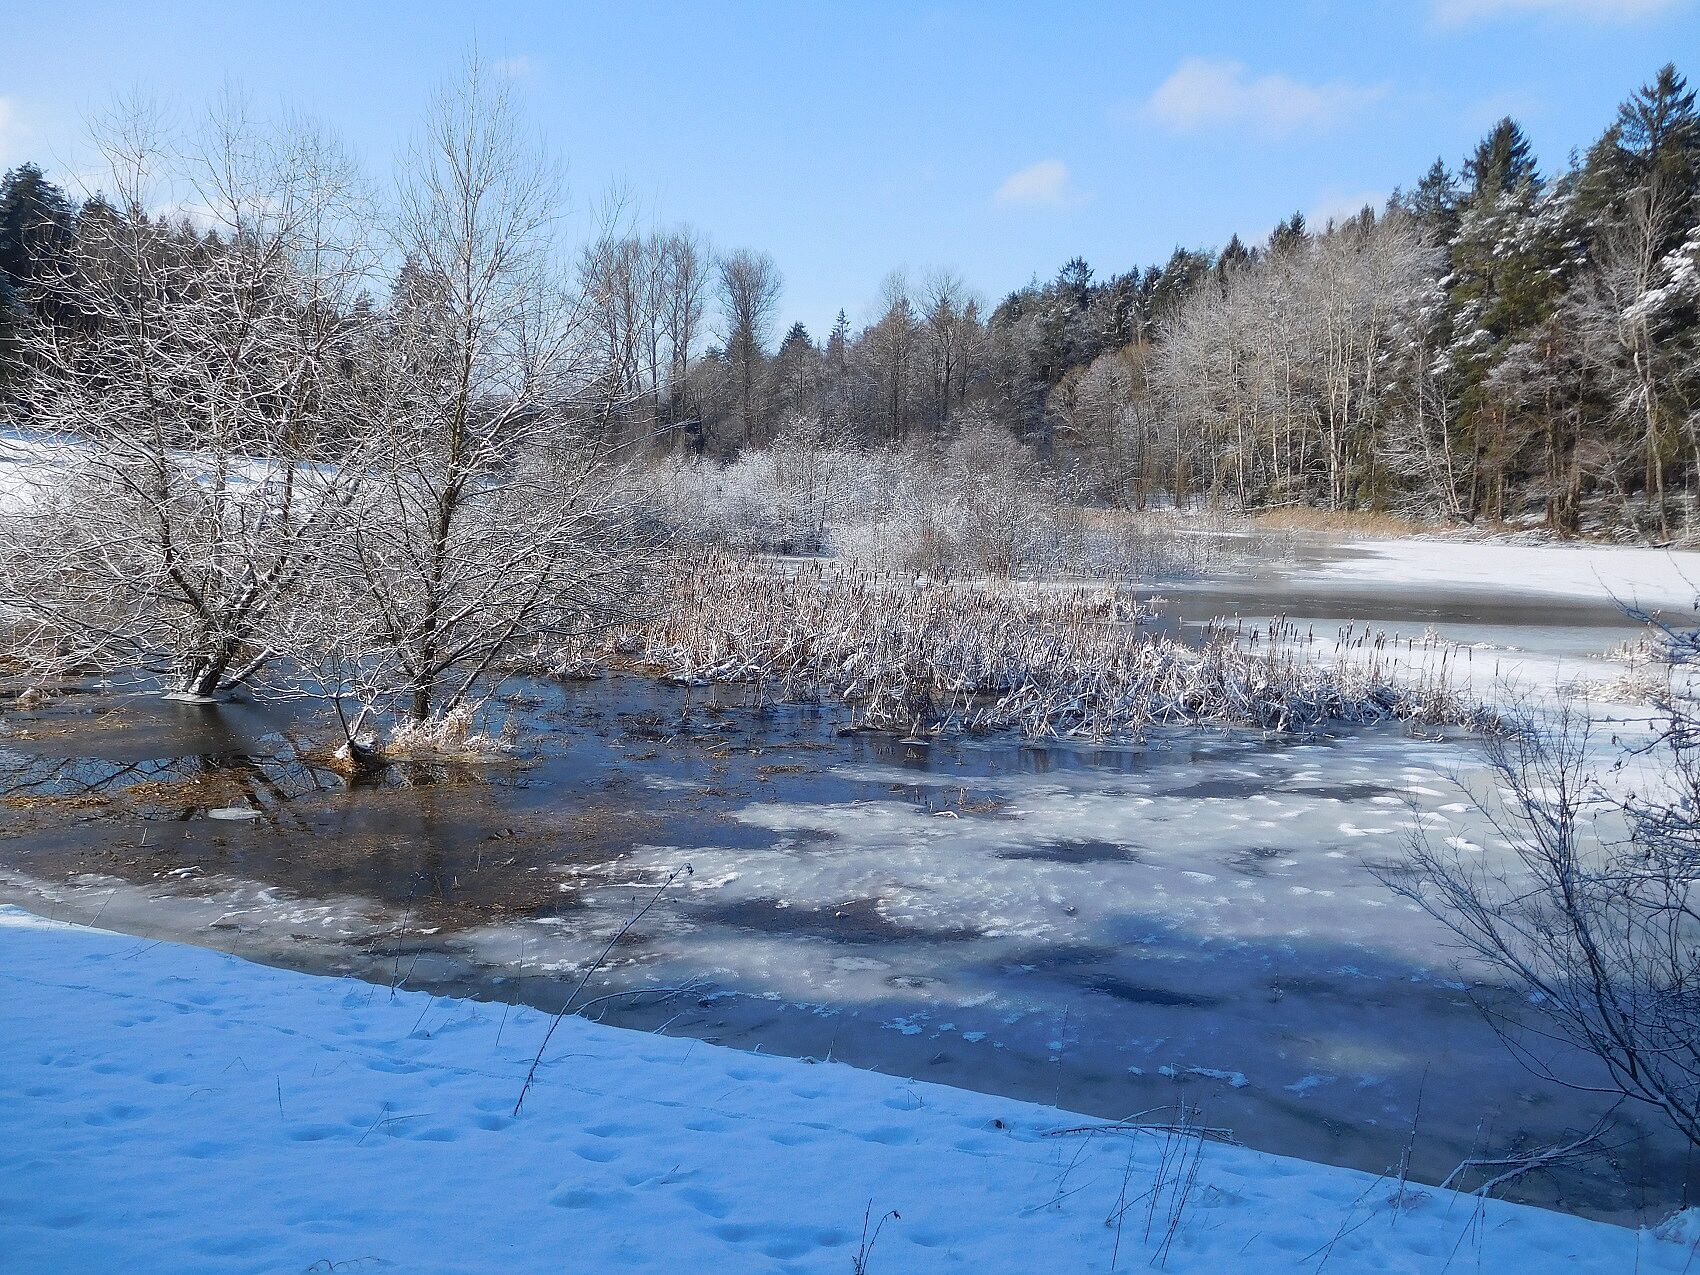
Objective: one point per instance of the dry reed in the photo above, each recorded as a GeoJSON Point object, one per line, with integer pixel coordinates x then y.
{"type": "Point", "coordinates": [1050, 662]}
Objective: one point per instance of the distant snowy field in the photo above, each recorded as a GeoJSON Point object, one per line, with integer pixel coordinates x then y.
{"type": "Point", "coordinates": [1628, 574]}
{"type": "Point", "coordinates": [170, 1109]}
{"type": "Point", "coordinates": [23, 461]}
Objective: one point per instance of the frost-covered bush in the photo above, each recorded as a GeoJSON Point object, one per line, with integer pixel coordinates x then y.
{"type": "Point", "coordinates": [975, 504]}
{"type": "Point", "coordinates": [781, 499]}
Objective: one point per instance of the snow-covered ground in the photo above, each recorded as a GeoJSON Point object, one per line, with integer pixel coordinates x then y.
{"type": "Point", "coordinates": [175, 1110]}
{"type": "Point", "coordinates": [31, 462]}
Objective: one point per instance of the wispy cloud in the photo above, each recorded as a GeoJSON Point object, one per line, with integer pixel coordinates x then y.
{"type": "Point", "coordinates": [1459, 12]}
{"type": "Point", "coordinates": [1046, 184]}
{"type": "Point", "coordinates": [1203, 94]}
{"type": "Point", "coordinates": [521, 66]}
{"type": "Point", "coordinates": [11, 133]}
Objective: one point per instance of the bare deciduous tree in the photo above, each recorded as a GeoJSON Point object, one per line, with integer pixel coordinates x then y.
{"type": "Point", "coordinates": [685, 282]}
{"type": "Point", "coordinates": [949, 330]}
{"type": "Point", "coordinates": [496, 518]}
{"type": "Point", "coordinates": [1284, 374]}
{"type": "Point", "coordinates": [201, 379]}
{"type": "Point", "coordinates": [749, 303]}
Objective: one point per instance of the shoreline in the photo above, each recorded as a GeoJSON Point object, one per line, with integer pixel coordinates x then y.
{"type": "Point", "coordinates": [328, 1115]}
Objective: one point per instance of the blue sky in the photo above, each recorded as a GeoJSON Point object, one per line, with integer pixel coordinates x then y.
{"type": "Point", "coordinates": [848, 140]}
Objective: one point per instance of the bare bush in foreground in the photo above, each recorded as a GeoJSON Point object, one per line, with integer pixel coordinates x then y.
{"type": "Point", "coordinates": [1594, 925]}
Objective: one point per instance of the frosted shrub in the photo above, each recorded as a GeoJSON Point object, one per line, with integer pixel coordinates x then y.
{"type": "Point", "coordinates": [781, 499]}
{"type": "Point", "coordinates": [1119, 544]}
{"type": "Point", "coordinates": [978, 505]}
{"type": "Point", "coordinates": [718, 504]}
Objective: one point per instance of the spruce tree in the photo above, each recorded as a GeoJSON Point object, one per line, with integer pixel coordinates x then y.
{"type": "Point", "coordinates": [1658, 133]}
{"type": "Point", "coordinates": [1234, 255]}
{"type": "Point", "coordinates": [1074, 281]}
{"type": "Point", "coordinates": [1650, 154]}
{"type": "Point", "coordinates": [36, 221]}
{"type": "Point", "coordinates": [1434, 202]}
{"type": "Point", "coordinates": [1503, 163]}
{"type": "Point", "coordinates": [838, 343]}
{"type": "Point", "coordinates": [1507, 259]}
{"type": "Point", "coordinates": [1289, 235]}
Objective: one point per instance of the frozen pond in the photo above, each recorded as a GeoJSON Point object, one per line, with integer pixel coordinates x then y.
{"type": "Point", "coordinates": [1512, 622]}
{"type": "Point", "coordinates": [1110, 929]}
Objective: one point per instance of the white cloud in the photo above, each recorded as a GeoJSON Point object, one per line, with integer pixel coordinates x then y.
{"type": "Point", "coordinates": [1203, 93]}
{"type": "Point", "coordinates": [1045, 184]}
{"type": "Point", "coordinates": [1458, 12]}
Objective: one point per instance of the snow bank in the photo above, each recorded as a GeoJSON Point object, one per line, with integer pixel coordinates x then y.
{"type": "Point", "coordinates": [1637, 576]}
{"type": "Point", "coordinates": [171, 1109]}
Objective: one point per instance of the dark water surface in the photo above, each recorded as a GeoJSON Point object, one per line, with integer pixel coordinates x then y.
{"type": "Point", "coordinates": [1110, 929]}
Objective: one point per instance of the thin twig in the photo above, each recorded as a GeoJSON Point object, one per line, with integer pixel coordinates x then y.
{"type": "Point", "coordinates": [595, 965]}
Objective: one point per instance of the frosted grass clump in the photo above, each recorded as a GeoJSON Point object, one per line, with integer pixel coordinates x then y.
{"type": "Point", "coordinates": [449, 736]}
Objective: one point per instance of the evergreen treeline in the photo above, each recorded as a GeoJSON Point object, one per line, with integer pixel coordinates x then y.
{"type": "Point", "coordinates": [1497, 343]}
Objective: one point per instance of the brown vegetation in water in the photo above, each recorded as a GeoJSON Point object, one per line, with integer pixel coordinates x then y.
{"type": "Point", "coordinates": [1048, 661]}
